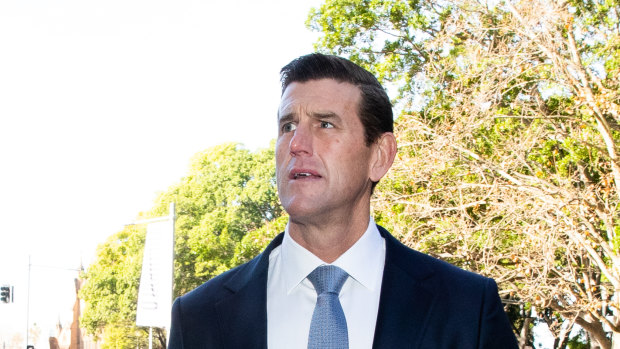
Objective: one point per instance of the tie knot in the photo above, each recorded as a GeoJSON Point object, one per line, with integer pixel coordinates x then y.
{"type": "Point", "coordinates": [328, 278]}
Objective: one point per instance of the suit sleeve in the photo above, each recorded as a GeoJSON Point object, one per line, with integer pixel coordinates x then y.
{"type": "Point", "coordinates": [495, 329]}
{"type": "Point", "coordinates": [175, 340]}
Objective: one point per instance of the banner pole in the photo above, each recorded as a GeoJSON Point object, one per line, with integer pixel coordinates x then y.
{"type": "Point", "coordinates": [173, 217]}
{"type": "Point", "coordinates": [28, 303]}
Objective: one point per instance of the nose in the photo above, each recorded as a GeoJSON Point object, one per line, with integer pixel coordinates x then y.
{"type": "Point", "coordinates": [301, 142]}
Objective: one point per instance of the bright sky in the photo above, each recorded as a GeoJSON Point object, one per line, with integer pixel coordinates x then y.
{"type": "Point", "coordinates": [102, 105]}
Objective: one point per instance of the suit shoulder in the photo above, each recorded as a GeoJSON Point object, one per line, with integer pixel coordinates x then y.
{"type": "Point", "coordinates": [211, 290]}
{"type": "Point", "coordinates": [451, 272]}
{"type": "Point", "coordinates": [421, 265]}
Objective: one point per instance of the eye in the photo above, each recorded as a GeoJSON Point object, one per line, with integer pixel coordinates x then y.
{"type": "Point", "coordinates": [288, 127]}
{"type": "Point", "coordinates": [326, 124]}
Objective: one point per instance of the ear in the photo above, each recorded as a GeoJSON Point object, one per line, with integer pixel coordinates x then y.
{"type": "Point", "coordinates": [384, 151]}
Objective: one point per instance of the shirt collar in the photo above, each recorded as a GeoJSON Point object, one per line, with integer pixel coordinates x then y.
{"type": "Point", "coordinates": [362, 261]}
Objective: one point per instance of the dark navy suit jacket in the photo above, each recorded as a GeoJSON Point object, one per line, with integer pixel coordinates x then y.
{"type": "Point", "coordinates": [424, 303]}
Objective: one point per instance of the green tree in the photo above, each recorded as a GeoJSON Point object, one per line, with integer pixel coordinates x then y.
{"type": "Point", "coordinates": [508, 140]}
{"type": "Point", "coordinates": [111, 291]}
{"type": "Point", "coordinates": [228, 192]}
{"type": "Point", "coordinates": [227, 211]}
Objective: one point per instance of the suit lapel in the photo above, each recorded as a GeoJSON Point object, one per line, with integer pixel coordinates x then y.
{"type": "Point", "coordinates": [243, 315]}
{"type": "Point", "coordinates": [406, 302]}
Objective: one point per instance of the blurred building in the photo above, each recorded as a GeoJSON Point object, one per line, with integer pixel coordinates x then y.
{"type": "Point", "coordinates": [73, 336]}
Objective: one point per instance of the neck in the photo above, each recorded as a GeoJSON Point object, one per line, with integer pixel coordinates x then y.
{"type": "Point", "coordinates": [328, 241]}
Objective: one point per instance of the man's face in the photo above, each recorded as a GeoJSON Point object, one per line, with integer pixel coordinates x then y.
{"type": "Point", "coordinates": [322, 161]}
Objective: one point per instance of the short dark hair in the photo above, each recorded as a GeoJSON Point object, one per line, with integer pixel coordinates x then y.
{"type": "Point", "coordinates": [375, 109]}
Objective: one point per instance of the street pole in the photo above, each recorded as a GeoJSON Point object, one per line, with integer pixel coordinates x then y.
{"type": "Point", "coordinates": [172, 210]}
{"type": "Point", "coordinates": [28, 304]}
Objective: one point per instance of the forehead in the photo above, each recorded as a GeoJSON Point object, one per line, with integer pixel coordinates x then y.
{"type": "Point", "coordinates": [324, 95]}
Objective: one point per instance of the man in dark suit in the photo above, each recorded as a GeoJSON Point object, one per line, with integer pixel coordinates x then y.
{"type": "Point", "coordinates": [335, 142]}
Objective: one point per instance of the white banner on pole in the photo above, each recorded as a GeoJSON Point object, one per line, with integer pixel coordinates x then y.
{"type": "Point", "coordinates": [155, 292]}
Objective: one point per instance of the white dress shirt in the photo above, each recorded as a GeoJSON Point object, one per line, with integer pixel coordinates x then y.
{"type": "Point", "coordinates": [291, 297]}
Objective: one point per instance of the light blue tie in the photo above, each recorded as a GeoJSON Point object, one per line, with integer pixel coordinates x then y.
{"type": "Point", "coordinates": [328, 329]}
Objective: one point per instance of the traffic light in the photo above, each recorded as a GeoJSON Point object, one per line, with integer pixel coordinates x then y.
{"type": "Point", "coordinates": [5, 294]}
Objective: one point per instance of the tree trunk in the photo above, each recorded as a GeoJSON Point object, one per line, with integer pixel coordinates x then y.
{"type": "Point", "coordinates": [595, 331]}
{"type": "Point", "coordinates": [525, 333]}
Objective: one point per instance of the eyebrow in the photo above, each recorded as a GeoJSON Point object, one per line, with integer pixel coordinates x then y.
{"type": "Point", "coordinates": [316, 115]}
{"type": "Point", "coordinates": [325, 115]}
{"type": "Point", "coordinates": [285, 118]}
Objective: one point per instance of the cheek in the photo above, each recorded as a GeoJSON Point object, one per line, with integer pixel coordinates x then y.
{"type": "Point", "coordinates": [356, 161]}
{"type": "Point", "coordinates": [281, 155]}
{"type": "Point", "coordinates": [280, 151]}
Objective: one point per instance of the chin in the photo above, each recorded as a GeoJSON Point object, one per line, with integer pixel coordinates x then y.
{"type": "Point", "coordinates": [297, 211]}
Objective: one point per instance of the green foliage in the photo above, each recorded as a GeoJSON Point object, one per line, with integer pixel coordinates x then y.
{"type": "Point", "coordinates": [256, 241]}
{"type": "Point", "coordinates": [227, 211]}
{"type": "Point", "coordinates": [228, 192]}
{"type": "Point", "coordinates": [111, 289]}
{"type": "Point", "coordinates": [384, 36]}
{"type": "Point", "coordinates": [123, 334]}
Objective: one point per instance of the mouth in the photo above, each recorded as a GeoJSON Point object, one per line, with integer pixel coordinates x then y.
{"type": "Point", "coordinates": [297, 175]}
{"type": "Point", "coordinates": [303, 174]}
